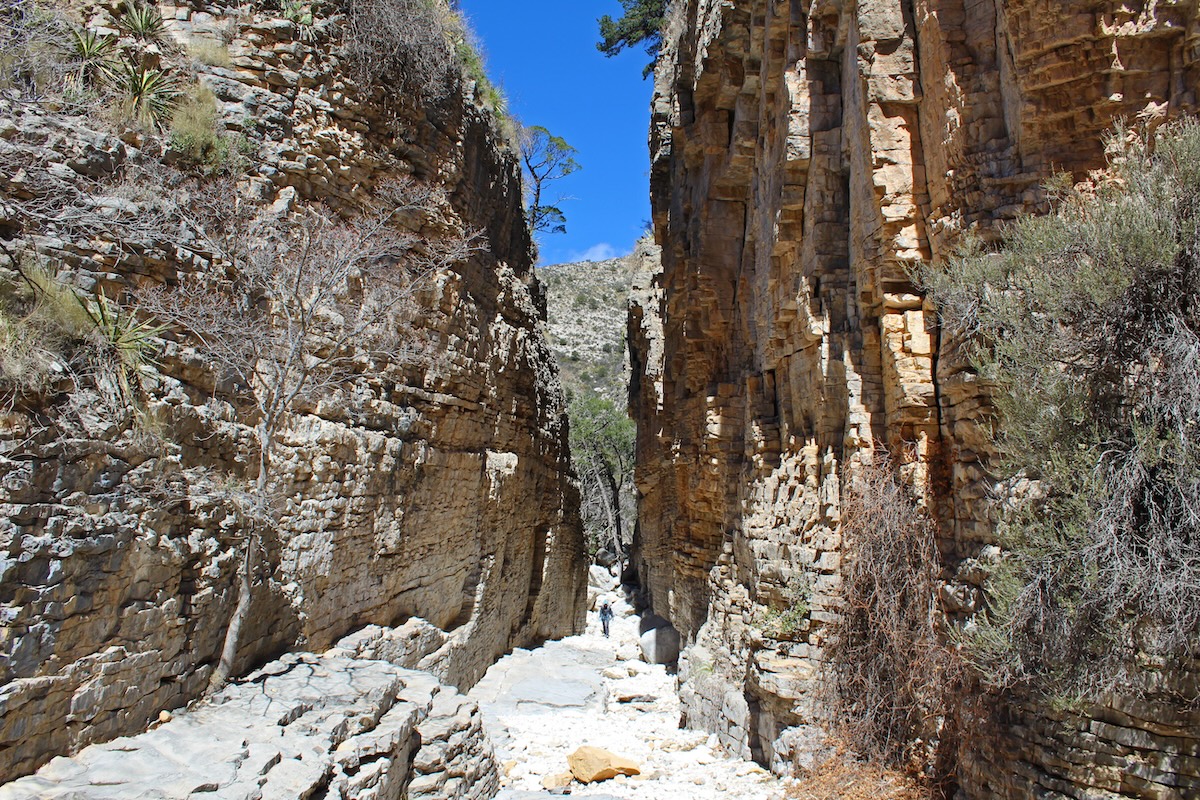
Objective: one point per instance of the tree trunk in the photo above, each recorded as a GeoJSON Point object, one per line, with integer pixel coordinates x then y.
{"type": "Point", "coordinates": [233, 633]}
{"type": "Point", "coordinates": [615, 517]}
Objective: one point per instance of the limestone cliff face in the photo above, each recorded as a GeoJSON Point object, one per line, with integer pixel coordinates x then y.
{"type": "Point", "coordinates": [804, 155]}
{"type": "Point", "coordinates": [433, 497]}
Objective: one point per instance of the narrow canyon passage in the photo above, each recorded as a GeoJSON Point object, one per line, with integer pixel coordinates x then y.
{"type": "Point", "coordinates": [540, 705]}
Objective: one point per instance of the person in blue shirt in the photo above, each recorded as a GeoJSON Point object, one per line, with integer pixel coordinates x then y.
{"type": "Point", "coordinates": [606, 615]}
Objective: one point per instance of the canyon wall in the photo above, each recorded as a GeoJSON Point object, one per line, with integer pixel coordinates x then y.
{"type": "Point", "coordinates": [805, 155]}
{"type": "Point", "coordinates": [434, 495]}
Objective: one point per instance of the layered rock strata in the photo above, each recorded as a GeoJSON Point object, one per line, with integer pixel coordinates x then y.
{"type": "Point", "coordinates": [301, 726]}
{"type": "Point", "coordinates": [435, 493]}
{"type": "Point", "coordinates": [805, 155]}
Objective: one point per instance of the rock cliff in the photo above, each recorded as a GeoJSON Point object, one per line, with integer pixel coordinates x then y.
{"type": "Point", "coordinates": [434, 495]}
{"type": "Point", "coordinates": [805, 155]}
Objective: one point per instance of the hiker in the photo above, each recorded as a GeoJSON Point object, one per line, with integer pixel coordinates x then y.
{"type": "Point", "coordinates": [606, 615]}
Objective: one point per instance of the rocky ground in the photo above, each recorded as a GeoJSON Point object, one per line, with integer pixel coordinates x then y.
{"type": "Point", "coordinates": [306, 725]}
{"type": "Point", "coordinates": [540, 705]}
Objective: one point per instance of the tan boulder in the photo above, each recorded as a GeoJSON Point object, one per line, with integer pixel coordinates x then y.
{"type": "Point", "coordinates": [560, 781]}
{"type": "Point", "coordinates": [591, 764]}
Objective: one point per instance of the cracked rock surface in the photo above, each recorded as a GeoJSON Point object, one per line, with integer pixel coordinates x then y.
{"type": "Point", "coordinates": [302, 726]}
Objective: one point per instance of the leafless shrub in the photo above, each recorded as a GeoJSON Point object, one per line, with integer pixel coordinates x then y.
{"type": "Point", "coordinates": [303, 302]}
{"type": "Point", "coordinates": [81, 353]}
{"type": "Point", "coordinates": [889, 668]}
{"type": "Point", "coordinates": [845, 776]}
{"type": "Point", "coordinates": [404, 43]}
{"type": "Point", "coordinates": [34, 59]}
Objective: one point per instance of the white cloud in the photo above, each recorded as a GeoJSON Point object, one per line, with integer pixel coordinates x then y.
{"type": "Point", "coordinates": [597, 252]}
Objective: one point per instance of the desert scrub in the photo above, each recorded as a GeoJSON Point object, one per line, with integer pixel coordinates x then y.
{"type": "Point", "coordinates": [889, 670]}
{"type": "Point", "coordinates": [786, 622]}
{"type": "Point", "coordinates": [51, 332]}
{"type": "Point", "coordinates": [41, 321]}
{"type": "Point", "coordinates": [206, 51]}
{"type": "Point", "coordinates": [197, 137]}
{"type": "Point", "coordinates": [1087, 324]}
{"type": "Point", "coordinates": [36, 50]}
{"type": "Point", "coordinates": [423, 46]}
{"type": "Point", "coordinates": [403, 42]}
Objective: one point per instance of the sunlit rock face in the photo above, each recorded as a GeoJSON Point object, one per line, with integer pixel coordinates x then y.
{"type": "Point", "coordinates": [436, 494]}
{"type": "Point", "coordinates": [805, 156]}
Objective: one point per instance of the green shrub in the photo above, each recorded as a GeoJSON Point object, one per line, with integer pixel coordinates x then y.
{"type": "Point", "coordinates": [195, 133]}
{"type": "Point", "coordinates": [302, 16]}
{"type": "Point", "coordinates": [1087, 323]}
{"type": "Point", "coordinates": [786, 622]}
{"type": "Point", "coordinates": [206, 51]}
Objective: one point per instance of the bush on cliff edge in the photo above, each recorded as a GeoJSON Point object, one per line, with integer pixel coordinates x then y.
{"type": "Point", "coordinates": [1086, 323]}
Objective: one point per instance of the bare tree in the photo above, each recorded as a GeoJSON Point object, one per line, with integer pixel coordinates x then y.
{"type": "Point", "coordinates": [889, 667]}
{"type": "Point", "coordinates": [304, 302]}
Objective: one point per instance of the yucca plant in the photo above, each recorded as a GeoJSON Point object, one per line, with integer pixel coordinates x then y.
{"type": "Point", "coordinates": [142, 22]}
{"type": "Point", "coordinates": [148, 92]}
{"type": "Point", "coordinates": [91, 52]}
{"type": "Point", "coordinates": [126, 345]}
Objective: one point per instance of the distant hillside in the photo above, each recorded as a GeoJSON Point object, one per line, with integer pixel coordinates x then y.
{"type": "Point", "coordinates": [586, 305]}
{"type": "Point", "coordinates": [586, 314]}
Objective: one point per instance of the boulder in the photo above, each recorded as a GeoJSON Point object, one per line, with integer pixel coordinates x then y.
{"type": "Point", "coordinates": [562, 780]}
{"type": "Point", "coordinates": [605, 558]}
{"type": "Point", "coordinates": [592, 764]}
{"type": "Point", "coordinates": [600, 578]}
{"type": "Point", "coordinates": [659, 641]}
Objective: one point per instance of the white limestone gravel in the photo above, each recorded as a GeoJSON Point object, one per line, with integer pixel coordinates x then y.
{"type": "Point", "coordinates": [540, 705]}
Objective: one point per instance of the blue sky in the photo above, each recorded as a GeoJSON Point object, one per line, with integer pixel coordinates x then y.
{"type": "Point", "coordinates": [543, 54]}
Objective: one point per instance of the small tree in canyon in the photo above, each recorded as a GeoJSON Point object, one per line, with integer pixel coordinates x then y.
{"type": "Point", "coordinates": [306, 301]}
{"type": "Point", "coordinates": [602, 444]}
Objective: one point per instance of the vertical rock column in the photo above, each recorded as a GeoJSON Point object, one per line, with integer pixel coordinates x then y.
{"type": "Point", "coordinates": [805, 156]}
